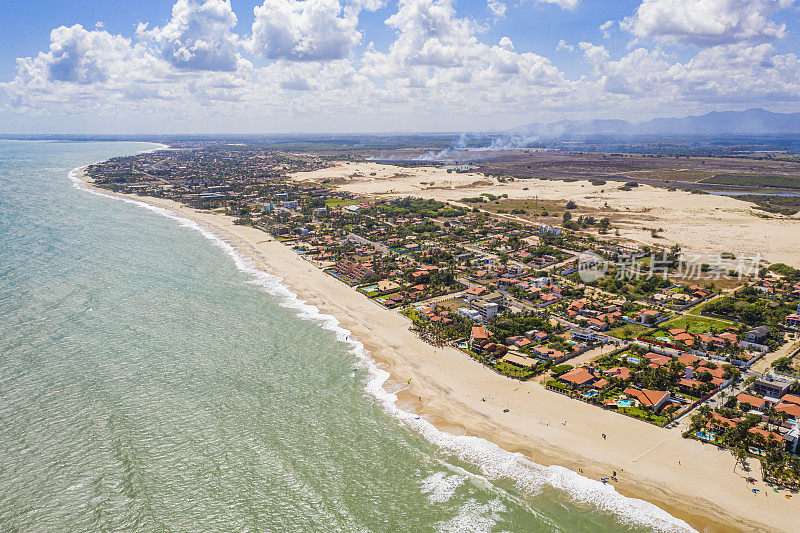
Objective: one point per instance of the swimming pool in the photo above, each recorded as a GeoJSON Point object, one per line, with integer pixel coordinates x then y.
{"type": "Point", "coordinates": [634, 360]}
{"type": "Point", "coordinates": [590, 394]}
{"type": "Point", "coordinates": [706, 436]}
{"type": "Point", "coordinates": [625, 403]}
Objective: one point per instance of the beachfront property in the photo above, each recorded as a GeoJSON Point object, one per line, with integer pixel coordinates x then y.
{"type": "Point", "coordinates": [505, 292]}
{"type": "Point", "coordinates": [762, 421]}
{"type": "Point", "coordinates": [643, 383]}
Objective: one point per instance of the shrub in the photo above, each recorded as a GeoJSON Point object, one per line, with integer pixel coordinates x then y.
{"type": "Point", "coordinates": [561, 369]}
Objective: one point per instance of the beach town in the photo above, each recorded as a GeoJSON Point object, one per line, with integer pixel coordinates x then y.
{"type": "Point", "coordinates": [703, 350]}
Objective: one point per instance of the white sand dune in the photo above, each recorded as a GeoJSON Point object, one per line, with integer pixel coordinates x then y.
{"type": "Point", "coordinates": [700, 224]}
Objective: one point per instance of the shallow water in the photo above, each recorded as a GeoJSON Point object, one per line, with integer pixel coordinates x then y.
{"type": "Point", "coordinates": [152, 379]}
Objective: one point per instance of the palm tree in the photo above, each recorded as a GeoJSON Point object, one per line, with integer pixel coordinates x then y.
{"type": "Point", "coordinates": [740, 453]}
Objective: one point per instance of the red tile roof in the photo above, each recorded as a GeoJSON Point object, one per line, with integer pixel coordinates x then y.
{"type": "Point", "coordinates": [646, 397]}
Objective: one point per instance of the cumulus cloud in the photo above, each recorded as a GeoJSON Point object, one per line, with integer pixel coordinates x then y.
{"type": "Point", "coordinates": [305, 30]}
{"type": "Point", "coordinates": [606, 28]}
{"type": "Point", "coordinates": [198, 37]}
{"type": "Point", "coordinates": [93, 71]}
{"type": "Point", "coordinates": [497, 8]}
{"type": "Point", "coordinates": [436, 65]}
{"type": "Point", "coordinates": [707, 22]}
{"type": "Point", "coordinates": [564, 45]}
{"type": "Point", "coordinates": [77, 55]}
{"type": "Point", "coordinates": [595, 55]}
{"type": "Point", "coordinates": [437, 59]}
{"type": "Point", "coordinates": [726, 73]}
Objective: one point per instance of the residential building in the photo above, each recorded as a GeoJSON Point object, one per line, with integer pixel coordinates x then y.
{"type": "Point", "coordinates": [651, 399]}
{"type": "Point", "coordinates": [470, 314]}
{"type": "Point", "coordinates": [769, 386]}
{"type": "Point", "coordinates": [758, 334]}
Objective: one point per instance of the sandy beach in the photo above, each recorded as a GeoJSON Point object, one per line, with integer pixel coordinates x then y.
{"type": "Point", "coordinates": [690, 480]}
{"type": "Point", "coordinates": [703, 224]}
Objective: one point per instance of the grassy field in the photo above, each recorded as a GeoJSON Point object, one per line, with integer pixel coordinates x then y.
{"type": "Point", "coordinates": [696, 325]}
{"type": "Point", "coordinates": [339, 202]}
{"type": "Point", "coordinates": [628, 331]}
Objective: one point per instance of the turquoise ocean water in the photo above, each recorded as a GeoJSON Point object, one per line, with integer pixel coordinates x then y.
{"type": "Point", "coordinates": [152, 380]}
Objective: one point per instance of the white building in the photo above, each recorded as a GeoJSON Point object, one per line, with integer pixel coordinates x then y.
{"type": "Point", "coordinates": [470, 314]}
{"type": "Point", "coordinates": [487, 310]}
{"type": "Point", "coordinates": [583, 335]}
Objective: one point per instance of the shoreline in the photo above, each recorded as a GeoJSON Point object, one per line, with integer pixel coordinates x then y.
{"type": "Point", "coordinates": [451, 401]}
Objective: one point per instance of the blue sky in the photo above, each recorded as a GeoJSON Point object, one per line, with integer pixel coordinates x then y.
{"type": "Point", "coordinates": [386, 65]}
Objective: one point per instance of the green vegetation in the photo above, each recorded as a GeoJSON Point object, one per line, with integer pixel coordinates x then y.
{"type": "Point", "coordinates": [755, 180]}
{"type": "Point", "coordinates": [644, 414]}
{"type": "Point", "coordinates": [748, 305]}
{"type": "Point", "coordinates": [782, 205]}
{"type": "Point", "coordinates": [789, 273]}
{"type": "Point", "coordinates": [407, 207]}
{"type": "Point", "coordinates": [778, 466]}
{"type": "Point", "coordinates": [339, 202]}
{"type": "Point", "coordinates": [697, 325]}
{"type": "Point", "coordinates": [560, 369]}
{"type": "Point", "coordinates": [628, 331]}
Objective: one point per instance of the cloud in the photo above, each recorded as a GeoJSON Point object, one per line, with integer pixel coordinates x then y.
{"type": "Point", "coordinates": [497, 8]}
{"type": "Point", "coordinates": [437, 61]}
{"type": "Point", "coordinates": [597, 56]}
{"type": "Point", "coordinates": [606, 28]}
{"type": "Point", "coordinates": [198, 37]}
{"type": "Point", "coordinates": [305, 30]}
{"type": "Point", "coordinates": [721, 74]}
{"type": "Point", "coordinates": [437, 71]}
{"type": "Point", "coordinates": [707, 22]}
{"type": "Point", "coordinates": [563, 4]}
{"type": "Point", "coordinates": [564, 45]}
{"type": "Point", "coordinates": [95, 72]}
{"type": "Point", "coordinates": [77, 56]}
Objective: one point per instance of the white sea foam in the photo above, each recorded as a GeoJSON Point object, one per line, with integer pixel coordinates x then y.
{"type": "Point", "coordinates": [474, 517]}
{"type": "Point", "coordinates": [493, 461]}
{"type": "Point", "coordinates": [440, 487]}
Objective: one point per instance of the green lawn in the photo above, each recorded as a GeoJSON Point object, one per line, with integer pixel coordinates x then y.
{"type": "Point", "coordinates": [338, 202]}
{"type": "Point", "coordinates": [628, 331]}
{"type": "Point", "coordinates": [695, 311]}
{"type": "Point", "coordinates": [696, 325]}
{"type": "Point", "coordinates": [643, 414]}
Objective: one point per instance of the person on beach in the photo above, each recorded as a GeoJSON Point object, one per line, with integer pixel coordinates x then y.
{"type": "Point", "coordinates": [604, 436]}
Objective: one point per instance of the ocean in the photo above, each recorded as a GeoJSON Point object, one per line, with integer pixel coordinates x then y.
{"type": "Point", "coordinates": [152, 379]}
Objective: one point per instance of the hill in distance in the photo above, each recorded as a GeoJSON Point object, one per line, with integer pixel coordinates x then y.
{"type": "Point", "coordinates": [749, 122]}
